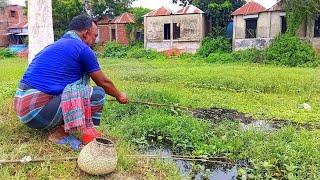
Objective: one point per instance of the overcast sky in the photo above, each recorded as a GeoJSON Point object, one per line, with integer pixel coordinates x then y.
{"type": "Point", "coordinates": [154, 4]}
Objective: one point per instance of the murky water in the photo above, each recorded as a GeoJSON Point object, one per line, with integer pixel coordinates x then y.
{"type": "Point", "coordinates": [258, 125]}
{"type": "Point", "coordinates": [187, 170]}
{"type": "Point", "coordinates": [217, 115]}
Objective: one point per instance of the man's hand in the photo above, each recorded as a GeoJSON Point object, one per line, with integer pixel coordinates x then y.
{"type": "Point", "coordinates": [122, 98]}
{"type": "Point", "coordinates": [101, 80]}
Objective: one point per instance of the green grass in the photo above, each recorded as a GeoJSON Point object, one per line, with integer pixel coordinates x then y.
{"type": "Point", "coordinates": [264, 92]}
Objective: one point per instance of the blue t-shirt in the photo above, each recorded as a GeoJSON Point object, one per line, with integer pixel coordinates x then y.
{"type": "Point", "coordinates": [60, 64]}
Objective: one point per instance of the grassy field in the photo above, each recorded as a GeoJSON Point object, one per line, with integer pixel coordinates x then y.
{"type": "Point", "coordinates": [264, 92]}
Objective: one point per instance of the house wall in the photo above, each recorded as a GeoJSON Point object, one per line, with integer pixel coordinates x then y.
{"type": "Point", "coordinates": [239, 27]}
{"type": "Point", "coordinates": [263, 25]}
{"type": "Point", "coordinates": [192, 31]}
{"type": "Point", "coordinates": [315, 41]}
{"type": "Point", "coordinates": [154, 28]}
{"type": "Point", "coordinates": [263, 33]}
{"type": "Point", "coordinates": [6, 20]}
{"type": "Point", "coordinates": [121, 31]}
{"type": "Point", "coordinates": [104, 34]}
{"type": "Point", "coordinates": [275, 24]}
{"type": "Point", "coordinates": [268, 27]}
{"type": "Point", "coordinates": [258, 43]}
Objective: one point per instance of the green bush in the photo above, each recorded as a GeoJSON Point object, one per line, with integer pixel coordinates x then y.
{"type": "Point", "coordinates": [6, 53]}
{"type": "Point", "coordinates": [186, 55]}
{"type": "Point", "coordinates": [217, 45]}
{"type": "Point", "coordinates": [137, 52]}
{"type": "Point", "coordinates": [219, 57]}
{"type": "Point", "coordinates": [291, 51]}
{"type": "Point", "coordinates": [248, 55]}
{"type": "Point", "coordinates": [114, 49]}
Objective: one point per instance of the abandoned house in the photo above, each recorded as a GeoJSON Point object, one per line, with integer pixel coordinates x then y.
{"type": "Point", "coordinates": [18, 33]}
{"type": "Point", "coordinates": [115, 30]}
{"type": "Point", "coordinates": [256, 27]}
{"type": "Point", "coordinates": [12, 24]}
{"type": "Point", "coordinates": [183, 30]}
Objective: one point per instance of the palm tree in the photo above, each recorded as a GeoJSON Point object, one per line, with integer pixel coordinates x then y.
{"type": "Point", "coordinates": [40, 26]}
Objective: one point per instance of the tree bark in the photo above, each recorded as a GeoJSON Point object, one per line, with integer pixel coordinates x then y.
{"type": "Point", "coordinates": [87, 7]}
{"type": "Point", "coordinates": [40, 26]}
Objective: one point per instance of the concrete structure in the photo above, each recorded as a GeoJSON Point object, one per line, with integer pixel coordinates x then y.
{"type": "Point", "coordinates": [183, 30]}
{"type": "Point", "coordinates": [256, 27]}
{"type": "Point", "coordinates": [10, 16]}
{"type": "Point", "coordinates": [114, 30]}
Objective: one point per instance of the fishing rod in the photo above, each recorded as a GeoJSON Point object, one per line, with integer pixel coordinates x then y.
{"type": "Point", "coordinates": [217, 160]}
{"type": "Point", "coordinates": [154, 104]}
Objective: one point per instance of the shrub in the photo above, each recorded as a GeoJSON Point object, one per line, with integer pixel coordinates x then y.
{"type": "Point", "coordinates": [219, 57]}
{"type": "Point", "coordinates": [291, 51]}
{"type": "Point", "coordinates": [217, 45]}
{"type": "Point", "coordinates": [248, 55]}
{"type": "Point", "coordinates": [6, 53]}
{"type": "Point", "coordinates": [135, 50]}
{"type": "Point", "coordinates": [139, 53]}
{"type": "Point", "coordinates": [114, 49]}
{"type": "Point", "coordinates": [186, 55]}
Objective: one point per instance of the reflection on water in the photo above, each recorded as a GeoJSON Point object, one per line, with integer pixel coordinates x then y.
{"type": "Point", "coordinates": [187, 171]}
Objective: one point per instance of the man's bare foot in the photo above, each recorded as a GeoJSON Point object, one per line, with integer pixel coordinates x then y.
{"type": "Point", "coordinates": [57, 134]}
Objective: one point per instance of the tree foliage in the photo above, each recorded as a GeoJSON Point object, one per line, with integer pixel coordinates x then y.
{"type": "Point", "coordinates": [218, 11]}
{"type": "Point", "coordinates": [300, 11]}
{"type": "Point", "coordinates": [110, 8]}
{"type": "Point", "coordinates": [138, 13]}
{"type": "Point", "coordinates": [64, 10]}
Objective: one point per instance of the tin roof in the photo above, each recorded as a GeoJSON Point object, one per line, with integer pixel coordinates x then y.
{"type": "Point", "coordinates": [276, 7]}
{"type": "Point", "coordinates": [103, 20]}
{"type": "Point", "coordinates": [190, 9]}
{"type": "Point", "coordinates": [124, 18]}
{"type": "Point", "coordinates": [160, 12]}
{"type": "Point", "coordinates": [249, 8]}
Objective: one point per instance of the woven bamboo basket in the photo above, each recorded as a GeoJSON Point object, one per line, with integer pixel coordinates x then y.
{"type": "Point", "coordinates": [99, 157]}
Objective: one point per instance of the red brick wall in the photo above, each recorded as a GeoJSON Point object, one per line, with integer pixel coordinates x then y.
{"type": "Point", "coordinates": [4, 41]}
{"type": "Point", "coordinates": [104, 34]}
{"type": "Point", "coordinates": [122, 34]}
{"type": "Point", "coordinates": [111, 26]}
{"type": "Point", "coordinates": [6, 20]}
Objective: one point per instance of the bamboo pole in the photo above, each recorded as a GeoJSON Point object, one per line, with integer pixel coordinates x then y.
{"type": "Point", "coordinates": [179, 158]}
{"type": "Point", "coordinates": [153, 104]}
{"type": "Point", "coordinates": [37, 160]}
{"type": "Point", "coordinates": [174, 157]}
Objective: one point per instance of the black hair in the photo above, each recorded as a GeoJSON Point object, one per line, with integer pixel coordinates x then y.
{"type": "Point", "coordinates": [80, 23]}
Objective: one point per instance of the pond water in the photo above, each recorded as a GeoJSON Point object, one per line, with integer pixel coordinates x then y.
{"type": "Point", "coordinates": [187, 170]}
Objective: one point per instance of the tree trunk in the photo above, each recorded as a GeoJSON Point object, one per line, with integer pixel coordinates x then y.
{"type": "Point", "coordinates": [40, 26]}
{"type": "Point", "coordinates": [87, 7]}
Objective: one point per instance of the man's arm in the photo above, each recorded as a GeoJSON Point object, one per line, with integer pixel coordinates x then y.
{"type": "Point", "coordinates": [101, 80]}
